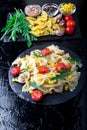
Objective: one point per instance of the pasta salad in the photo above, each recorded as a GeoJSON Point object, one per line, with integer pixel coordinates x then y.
{"type": "Point", "coordinates": [47, 71]}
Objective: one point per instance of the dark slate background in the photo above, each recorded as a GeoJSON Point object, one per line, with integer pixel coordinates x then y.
{"type": "Point", "coordinates": [17, 114]}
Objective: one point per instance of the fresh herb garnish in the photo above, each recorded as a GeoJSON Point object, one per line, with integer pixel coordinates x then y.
{"type": "Point", "coordinates": [71, 59]}
{"type": "Point", "coordinates": [61, 75]}
{"type": "Point", "coordinates": [38, 54]}
{"type": "Point", "coordinates": [33, 84]}
{"type": "Point", "coordinates": [25, 69]}
{"type": "Point", "coordinates": [18, 26]}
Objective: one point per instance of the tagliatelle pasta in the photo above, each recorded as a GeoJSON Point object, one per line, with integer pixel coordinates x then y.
{"type": "Point", "coordinates": [42, 70]}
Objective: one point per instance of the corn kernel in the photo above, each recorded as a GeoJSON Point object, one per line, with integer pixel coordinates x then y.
{"type": "Point", "coordinates": [14, 79]}
{"type": "Point", "coordinates": [50, 82]}
{"type": "Point", "coordinates": [69, 76]}
{"type": "Point", "coordinates": [30, 91]}
{"type": "Point", "coordinates": [50, 92]}
{"type": "Point", "coordinates": [66, 87]}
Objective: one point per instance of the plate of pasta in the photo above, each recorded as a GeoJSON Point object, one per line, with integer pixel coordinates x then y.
{"type": "Point", "coordinates": [46, 74]}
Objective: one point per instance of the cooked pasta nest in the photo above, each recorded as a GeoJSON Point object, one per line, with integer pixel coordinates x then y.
{"type": "Point", "coordinates": [52, 81]}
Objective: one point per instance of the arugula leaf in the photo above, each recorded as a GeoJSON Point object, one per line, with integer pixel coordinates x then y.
{"type": "Point", "coordinates": [36, 86]}
{"type": "Point", "coordinates": [38, 54]}
{"type": "Point", "coordinates": [17, 26]}
{"type": "Point", "coordinates": [61, 75]}
{"type": "Point", "coordinates": [71, 59]}
{"type": "Point", "coordinates": [25, 69]}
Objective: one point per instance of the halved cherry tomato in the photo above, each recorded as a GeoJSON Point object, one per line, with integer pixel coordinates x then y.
{"type": "Point", "coordinates": [43, 69]}
{"type": "Point", "coordinates": [15, 70]}
{"type": "Point", "coordinates": [70, 23]}
{"type": "Point", "coordinates": [37, 95]}
{"type": "Point", "coordinates": [45, 51]}
{"type": "Point", "coordinates": [68, 17]}
{"type": "Point", "coordinates": [60, 67]}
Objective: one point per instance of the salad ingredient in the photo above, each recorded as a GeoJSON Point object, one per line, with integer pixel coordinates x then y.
{"type": "Point", "coordinates": [34, 84]}
{"type": "Point", "coordinates": [68, 17]}
{"type": "Point", "coordinates": [32, 10]}
{"type": "Point", "coordinates": [37, 95]}
{"type": "Point", "coordinates": [68, 66]}
{"type": "Point", "coordinates": [45, 51]}
{"type": "Point", "coordinates": [43, 25]}
{"type": "Point", "coordinates": [50, 8]}
{"type": "Point", "coordinates": [17, 26]}
{"type": "Point", "coordinates": [67, 8]}
{"type": "Point", "coordinates": [71, 23]}
{"type": "Point", "coordinates": [61, 75]}
{"type": "Point", "coordinates": [38, 54]}
{"type": "Point", "coordinates": [69, 30]}
{"type": "Point", "coordinates": [62, 23]}
{"type": "Point", "coordinates": [15, 70]}
{"type": "Point", "coordinates": [60, 67]}
{"type": "Point", "coordinates": [59, 18]}
{"type": "Point", "coordinates": [60, 32]}
{"type": "Point", "coordinates": [43, 69]}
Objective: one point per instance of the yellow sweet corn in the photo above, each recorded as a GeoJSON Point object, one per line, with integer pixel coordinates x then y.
{"type": "Point", "coordinates": [66, 88]}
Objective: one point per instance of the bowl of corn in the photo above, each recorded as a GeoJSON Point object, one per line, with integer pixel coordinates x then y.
{"type": "Point", "coordinates": [67, 8]}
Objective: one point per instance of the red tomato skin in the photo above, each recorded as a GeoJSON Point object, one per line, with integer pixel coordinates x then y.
{"type": "Point", "coordinates": [68, 66]}
{"type": "Point", "coordinates": [70, 23]}
{"type": "Point", "coordinates": [43, 69]}
{"type": "Point", "coordinates": [60, 67]}
{"type": "Point", "coordinates": [37, 95]}
{"type": "Point", "coordinates": [69, 30]}
{"type": "Point", "coordinates": [15, 70]}
{"type": "Point", "coordinates": [45, 51]}
{"type": "Point", "coordinates": [68, 17]}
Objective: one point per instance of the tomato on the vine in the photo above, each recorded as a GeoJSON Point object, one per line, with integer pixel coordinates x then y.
{"type": "Point", "coordinates": [15, 70]}
{"type": "Point", "coordinates": [43, 69]}
{"type": "Point", "coordinates": [69, 30]}
{"type": "Point", "coordinates": [45, 51]}
{"type": "Point", "coordinates": [70, 23]}
{"type": "Point", "coordinates": [37, 95]}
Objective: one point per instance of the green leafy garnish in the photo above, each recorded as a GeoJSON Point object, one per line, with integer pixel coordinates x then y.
{"type": "Point", "coordinates": [18, 26]}
{"type": "Point", "coordinates": [33, 84]}
{"type": "Point", "coordinates": [38, 54]}
{"type": "Point", "coordinates": [25, 69]}
{"type": "Point", "coordinates": [71, 59]}
{"type": "Point", "coordinates": [61, 75]}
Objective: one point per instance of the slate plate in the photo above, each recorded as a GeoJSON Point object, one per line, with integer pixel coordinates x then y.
{"type": "Point", "coordinates": [53, 99]}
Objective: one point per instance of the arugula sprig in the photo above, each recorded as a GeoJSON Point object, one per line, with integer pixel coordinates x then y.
{"type": "Point", "coordinates": [38, 54]}
{"type": "Point", "coordinates": [71, 59]}
{"type": "Point", "coordinates": [61, 75]}
{"type": "Point", "coordinates": [25, 69]}
{"type": "Point", "coordinates": [33, 84]}
{"type": "Point", "coordinates": [18, 26]}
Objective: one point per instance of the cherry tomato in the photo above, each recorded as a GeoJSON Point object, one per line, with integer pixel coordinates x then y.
{"type": "Point", "coordinates": [69, 30]}
{"type": "Point", "coordinates": [15, 70]}
{"type": "Point", "coordinates": [68, 17]}
{"type": "Point", "coordinates": [71, 23]}
{"type": "Point", "coordinates": [45, 51]}
{"type": "Point", "coordinates": [68, 66]}
{"type": "Point", "coordinates": [43, 69]}
{"type": "Point", "coordinates": [37, 95]}
{"type": "Point", "coordinates": [61, 67]}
